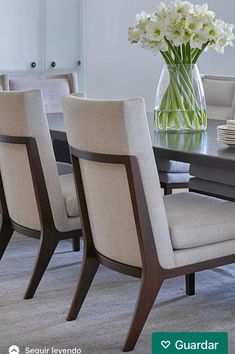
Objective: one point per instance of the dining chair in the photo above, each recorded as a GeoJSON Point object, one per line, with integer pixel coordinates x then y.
{"type": "Point", "coordinates": [220, 98]}
{"type": "Point", "coordinates": [36, 201]}
{"type": "Point", "coordinates": [128, 225]}
{"type": "Point", "coordinates": [54, 87]}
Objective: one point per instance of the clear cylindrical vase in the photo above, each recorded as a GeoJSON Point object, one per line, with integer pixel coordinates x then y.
{"type": "Point", "coordinates": [180, 101]}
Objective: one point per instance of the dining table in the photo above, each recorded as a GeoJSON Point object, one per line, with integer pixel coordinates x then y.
{"type": "Point", "coordinates": [199, 148]}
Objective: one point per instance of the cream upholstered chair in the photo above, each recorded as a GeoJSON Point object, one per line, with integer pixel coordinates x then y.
{"type": "Point", "coordinates": [35, 200]}
{"type": "Point", "coordinates": [220, 98]}
{"type": "Point", "coordinates": [54, 87]}
{"type": "Point", "coordinates": [128, 225]}
{"type": "Point", "coordinates": [220, 104]}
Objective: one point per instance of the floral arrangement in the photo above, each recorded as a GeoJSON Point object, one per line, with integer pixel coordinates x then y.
{"type": "Point", "coordinates": [181, 31]}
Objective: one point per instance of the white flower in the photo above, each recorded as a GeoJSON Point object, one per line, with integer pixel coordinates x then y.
{"type": "Point", "coordinates": [154, 46]}
{"type": "Point", "coordinates": [133, 35]}
{"type": "Point", "coordinates": [162, 11]}
{"type": "Point", "coordinates": [198, 39]}
{"type": "Point", "coordinates": [203, 12]}
{"type": "Point", "coordinates": [142, 17]}
{"type": "Point", "coordinates": [193, 23]}
{"type": "Point", "coordinates": [182, 7]}
{"type": "Point", "coordinates": [213, 31]}
{"type": "Point", "coordinates": [175, 35]}
{"type": "Point", "coordinates": [155, 31]}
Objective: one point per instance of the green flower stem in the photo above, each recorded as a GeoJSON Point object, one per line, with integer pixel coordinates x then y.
{"type": "Point", "coordinates": [199, 52]}
{"type": "Point", "coordinates": [184, 73]}
{"type": "Point", "coordinates": [174, 107]}
{"type": "Point", "coordinates": [188, 88]}
{"type": "Point", "coordinates": [189, 54]}
{"type": "Point", "coordinates": [184, 53]}
{"type": "Point", "coordinates": [179, 101]}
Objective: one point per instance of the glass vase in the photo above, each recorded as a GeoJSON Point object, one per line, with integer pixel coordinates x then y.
{"type": "Point", "coordinates": [180, 101]}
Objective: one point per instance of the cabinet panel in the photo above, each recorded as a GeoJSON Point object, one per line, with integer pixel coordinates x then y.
{"type": "Point", "coordinates": [21, 35]}
{"type": "Point", "coordinates": [62, 34]}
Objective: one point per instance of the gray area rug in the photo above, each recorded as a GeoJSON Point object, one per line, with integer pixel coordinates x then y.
{"type": "Point", "coordinates": [103, 322]}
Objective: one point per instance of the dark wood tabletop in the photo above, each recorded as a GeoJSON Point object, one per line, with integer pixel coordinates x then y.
{"type": "Point", "coordinates": [198, 148]}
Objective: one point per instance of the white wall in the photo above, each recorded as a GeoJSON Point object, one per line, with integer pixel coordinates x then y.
{"type": "Point", "coordinates": [114, 68]}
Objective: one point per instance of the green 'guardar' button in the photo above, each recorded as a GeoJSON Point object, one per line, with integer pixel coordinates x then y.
{"type": "Point", "coordinates": [190, 342]}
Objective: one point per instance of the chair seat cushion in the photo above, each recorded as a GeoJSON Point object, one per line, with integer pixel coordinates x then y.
{"type": "Point", "coordinates": [166, 177]}
{"type": "Point", "coordinates": [165, 165]}
{"type": "Point", "coordinates": [213, 174]}
{"type": "Point", "coordinates": [69, 193]}
{"type": "Point", "coordinates": [196, 220]}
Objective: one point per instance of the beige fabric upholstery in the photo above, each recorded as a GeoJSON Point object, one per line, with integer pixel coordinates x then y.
{"type": "Point", "coordinates": [220, 96]}
{"type": "Point", "coordinates": [22, 114]}
{"type": "Point", "coordinates": [117, 127]}
{"type": "Point", "coordinates": [172, 166]}
{"type": "Point", "coordinates": [204, 253]}
{"type": "Point", "coordinates": [174, 177]}
{"type": "Point", "coordinates": [69, 194]}
{"type": "Point", "coordinates": [53, 87]}
{"type": "Point", "coordinates": [197, 220]}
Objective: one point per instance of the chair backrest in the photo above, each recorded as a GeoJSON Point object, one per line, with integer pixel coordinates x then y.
{"type": "Point", "coordinates": [117, 127]}
{"type": "Point", "coordinates": [220, 96]}
{"type": "Point", "coordinates": [22, 115]}
{"type": "Point", "coordinates": [53, 87]}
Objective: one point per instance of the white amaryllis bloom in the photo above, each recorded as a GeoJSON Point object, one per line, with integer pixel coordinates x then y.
{"type": "Point", "coordinates": [142, 17]}
{"type": "Point", "coordinates": [175, 35]}
{"type": "Point", "coordinates": [155, 30]}
{"type": "Point", "coordinates": [154, 46]}
{"type": "Point", "coordinates": [193, 24]}
{"type": "Point", "coordinates": [198, 39]}
{"type": "Point", "coordinates": [133, 35]}
{"type": "Point", "coordinates": [182, 7]}
{"type": "Point", "coordinates": [162, 11]}
{"type": "Point", "coordinates": [203, 13]}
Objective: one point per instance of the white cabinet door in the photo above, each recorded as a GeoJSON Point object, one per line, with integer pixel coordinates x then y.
{"type": "Point", "coordinates": [63, 34]}
{"type": "Point", "coordinates": [21, 35]}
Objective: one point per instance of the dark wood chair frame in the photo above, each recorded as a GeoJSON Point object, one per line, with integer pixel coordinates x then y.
{"type": "Point", "coordinates": [152, 274]}
{"type": "Point", "coordinates": [168, 187]}
{"type": "Point", "coordinates": [49, 235]}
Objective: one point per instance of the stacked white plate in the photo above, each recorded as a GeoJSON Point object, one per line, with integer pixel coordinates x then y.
{"type": "Point", "coordinates": [226, 133]}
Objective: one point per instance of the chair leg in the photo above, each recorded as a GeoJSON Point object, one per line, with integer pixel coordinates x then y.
{"type": "Point", "coordinates": [167, 189]}
{"type": "Point", "coordinates": [45, 253]}
{"type": "Point", "coordinates": [148, 292]}
{"type": "Point", "coordinates": [76, 244]}
{"type": "Point", "coordinates": [5, 236]}
{"type": "Point", "coordinates": [89, 269]}
{"type": "Point", "coordinates": [190, 284]}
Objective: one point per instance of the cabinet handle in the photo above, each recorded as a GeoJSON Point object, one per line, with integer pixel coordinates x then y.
{"type": "Point", "coordinates": [53, 64]}
{"type": "Point", "coordinates": [79, 63]}
{"type": "Point", "coordinates": [33, 64]}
